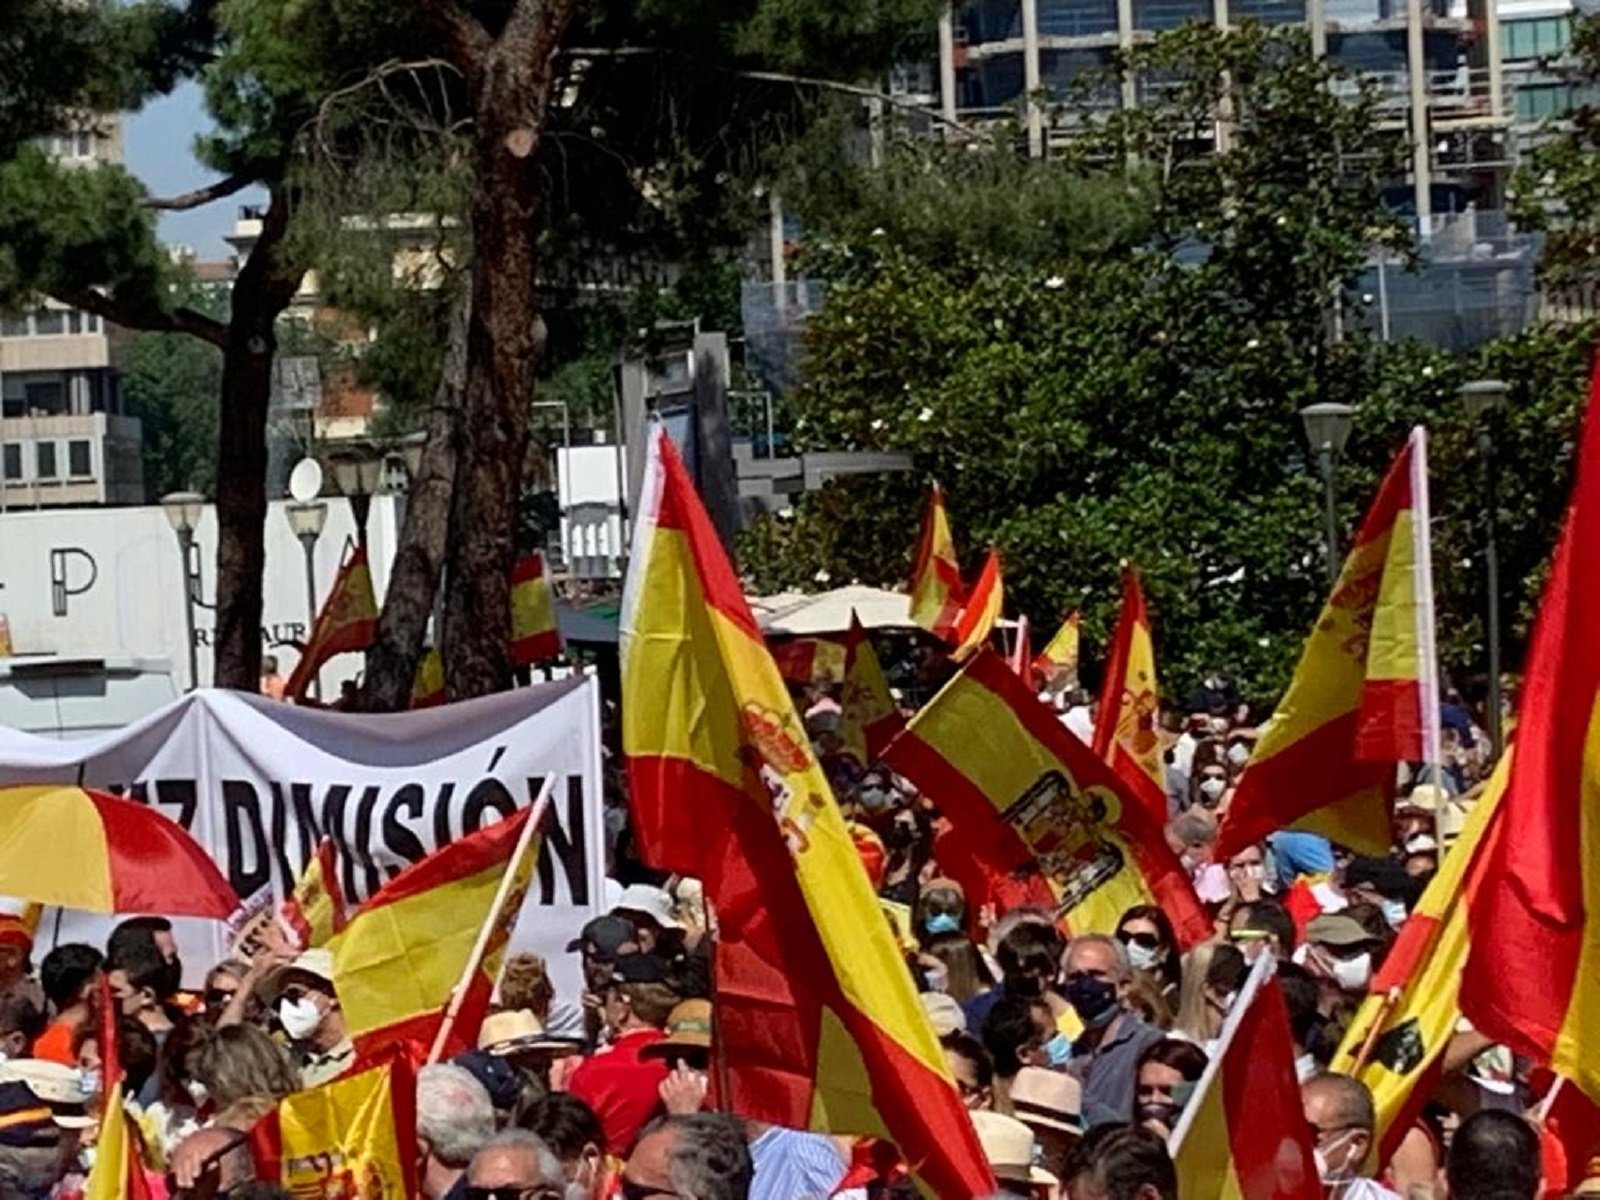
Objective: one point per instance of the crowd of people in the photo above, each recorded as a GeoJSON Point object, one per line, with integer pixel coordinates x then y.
{"type": "Point", "coordinates": [1075, 1055]}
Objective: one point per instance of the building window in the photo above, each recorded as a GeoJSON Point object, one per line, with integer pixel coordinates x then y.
{"type": "Point", "coordinates": [13, 460]}
{"type": "Point", "coordinates": [1543, 37]}
{"type": "Point", "coordinates": [44, 460]}
{"type": "Point", "coordinates": [14, 326]}
{"type": "Point", "coordinates": [49, 322]}
{"type": "Point", "coordinates": [79, 465]}
{"type": "Point", "coordinates": [1540, 103]}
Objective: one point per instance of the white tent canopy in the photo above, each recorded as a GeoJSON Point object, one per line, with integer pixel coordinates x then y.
{"type": "Point", "coordinates": [796, 614]}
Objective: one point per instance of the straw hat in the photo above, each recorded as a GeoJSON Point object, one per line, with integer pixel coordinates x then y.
{"type": "Point", "coordinates": [688, 1028]}
{"type": "Point", "coordinates": [57, 1085]}
{"type": "Point", "coordinates": [1044, 1099]}
{"type": "Point", "coordinates": [1010, 1147]}
{"type": "Point", "coordinates": [518, 1031]}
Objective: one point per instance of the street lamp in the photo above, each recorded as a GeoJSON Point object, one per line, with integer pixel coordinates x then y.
{"type": "Point", "coordinates": [306, 519]}
{"type": "Point", "coordinates": [358, 473]}
{"type": "Point", "coordinates": [183, 511]}
{"type": "Point", "coordinates": [1485, 401]}
{"type": "Point", "coordinates": [1327, 430]}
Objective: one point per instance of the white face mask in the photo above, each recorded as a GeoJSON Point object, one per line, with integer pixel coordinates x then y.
{"type": "Point", "coordinates": [1142, 958]}
{"type": "Point", "coordinates": [1212, 788]}
{"type": "Point", "coordinates": [1326, 1173]}
{"type": "Point", "coordinates": [1238, 754]}
{"type": "Point", "coordinates": [1394, 912]}
{"type": "Point", "coordinates": [1353, 974]}
{"type": "Point", "coordinates": [299, 1018]}
{"type": "Point", "coordinates": [197, 1092]}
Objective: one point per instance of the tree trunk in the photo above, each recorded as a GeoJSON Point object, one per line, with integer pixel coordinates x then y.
{"type": "Point", "coordinates": [266, 284]}
{"type": "Point", "coordinates": [509, 79]}
{"type": "Point", "coordinates": [414, 578]}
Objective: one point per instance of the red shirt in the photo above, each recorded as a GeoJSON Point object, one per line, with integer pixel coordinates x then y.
{"type": "Point", "coordinates": [623, 1089]}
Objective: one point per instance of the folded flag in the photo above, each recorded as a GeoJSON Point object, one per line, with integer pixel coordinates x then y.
{"type": "Point", "coordinates": [353, 1136]}
{"type": "Point", "coordinates": [1127, 733]}
{"type": "Point", "coordinates": [1365, 695]}
{"type": "Point", "coordinates": [1057, 664]}
{"type": "Point", "coordinates": [346, 622]}
{"type": "Point", "coordinates": [818, 1023]}
{"type": "Point", "coordinates": [398, 960]}
{"type": "Point", "coordinates": [315, 910]}
{"type": "Point", "coordinates": [118, 1172]}
{"type": "Point", "coordinates": [1243, 1135]}
{"type": "Point", "coordinates": [1532, 979]}
{"type": "Point", "coordinates": [535, 635]}
{"type": "Point", "coordinates": [936, 590]}
{"type": "Point", "coordinates": [1022, 793]}
{"type": "Point", "coordinates": [870, 718]}
{"type": "Point", "coordinates": [809, 660]}
{"type": "Point", "coordinates": [982, 610]}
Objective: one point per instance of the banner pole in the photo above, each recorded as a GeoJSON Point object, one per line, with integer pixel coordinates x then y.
{"type": "Point", "coordinates": [492, 920]}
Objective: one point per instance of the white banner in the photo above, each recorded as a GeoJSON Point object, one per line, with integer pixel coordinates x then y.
{"type": "Point", "coordinates": [258, 783]}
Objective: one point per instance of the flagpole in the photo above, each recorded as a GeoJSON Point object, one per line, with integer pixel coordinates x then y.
{"type": "Point", "coordinates": [1427, 652]}
{"type": "Point", "coordinates": [492, 920]}
{"type": "Point", "coordinates": [1374, 1031]}
{"type": "Point", "coordinates": [1264, 968]}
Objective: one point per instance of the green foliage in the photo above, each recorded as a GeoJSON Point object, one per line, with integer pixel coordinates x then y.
{"type": "Point", "coordinates": [1556, 188]}
{"type": "Point", "coordinates": [1086, 401]}
{"type": "Point", "coordinates": [170, 382]}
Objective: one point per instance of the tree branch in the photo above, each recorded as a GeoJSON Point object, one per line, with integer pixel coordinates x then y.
{"type": "Point", "coordinates": [201, 196]}
{"type": "Point", "coordinates": [469, 40]}
{"type": "Point", "coordinates": [151, 320]}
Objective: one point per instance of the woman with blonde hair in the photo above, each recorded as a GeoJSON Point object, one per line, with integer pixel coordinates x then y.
{"type": "Point", "coordinates": [1212, 975]}
{"type": "Point", "coordinates": [240, 1063]}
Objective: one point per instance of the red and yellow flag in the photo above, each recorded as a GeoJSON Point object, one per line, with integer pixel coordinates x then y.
{"type": "Point", "coordinates": [1414, 998]}
{"type": "Point", "coordinates": [1533, 977]}
{"type": "Point", "coordinates": [1022, 790]}
{"type": "Point", "coordinates": [315, 910]}
{"type": "Point", "coordinates": [818, 1024]}
{"type": "Point", "coordinates": [936, 590]}
{"type": "Point", "coordinates": [809, 660]}
{"type": "Point", "coordinates": [1057, 664]}
{"type": "Point", "coordinates": [353, 1136]}
{"type": "Point", "coordinates": [982, 611]}
{"type": "Point", "coordinates": [1365, 694]}
{"type": "Point", "coordinates": [535, 636]}
{"type": "Point", "coordinates": [118, 1172]}
{"type": "Point", "coordinates": [1243, 1135]}
{"type": "Point", "coordinates": [403, 952]}
{"type": "Point", "coordinates": [427, 690]}
{"type": "Point", "coordinates": [1128, 732]}
{"type": "Point", "coordinates": [870, 718]}
{"type": "Point", "coordinates": [347, 622]}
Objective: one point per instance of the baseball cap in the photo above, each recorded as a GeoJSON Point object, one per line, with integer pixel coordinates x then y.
{"type": "Point", "coordinates": [498, 1077]}
{"type": "Point", "coordinates": [602, 938]}
{"type": "Point", "coordinates": [640, 968]}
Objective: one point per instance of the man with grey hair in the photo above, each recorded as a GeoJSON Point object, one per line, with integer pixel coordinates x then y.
{"type": "Point", "coordinates": [702, 1156]}
{"type": "Point", "coordinates": [1105, 1058]}
{"type": "Point", "coordinates": [455, 1120]}
{"type": "Point", "coordinates": [515, 1165]}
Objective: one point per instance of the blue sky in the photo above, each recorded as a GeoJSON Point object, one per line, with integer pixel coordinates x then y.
{"type": "Point", "coordinates": [159, 144]}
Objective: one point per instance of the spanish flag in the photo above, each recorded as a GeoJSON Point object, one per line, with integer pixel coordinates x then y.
{"type": "Point", "coordinates": [809, 660]}
{"type": "Point", "coordinates": [427, 690]}
{"type": "Point", "coordinates": [1127, 733]}
{"type": "Point", "coordinates": [1243, 1135]}
{"type": "Point", "coordinates": [1057, 664]}
{"type": "Point", "coordinates": [118, 1172]}
{"type": "Point", "coordinates": [936, 590]}
{"type": "Point", "coordinates": [982, 611]}
{"type": "Point", "coordinates": [353, 1136]}
{"type": "Point", "coordinates": [400, 957]}
{"type": "Point", "coordinates": [535, 635]}
{"type": "Point", "coordinates": [1365, 694]}
{"type": "Point", "coordinates": [869, 719]}
{"type": "Point", "coordinates": [315, 910]}
{"type": "Point", "coordinates": [818, 1024]}
{"type": "Point", "coordinates": [1396, 1038]}
{"type": "Point", "coordinates": [1533, 976]}
{"type": "Point", "coordinates": [1022, 792]}
{"type": "Point", "coordinates": [347, 622]}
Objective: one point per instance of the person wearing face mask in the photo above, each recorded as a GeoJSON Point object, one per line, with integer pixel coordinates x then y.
{"type": "Point", "coordinates": [1262, 927]}
{"type": "Point", "coordinates": [302, 998]}
{"type": "Point", "coordinates": [1341, 954]}
{"type": "Point", "coordinates": [1339, 1112]}
{"type": "Point", "coordinates": [1146, 933]}
{"type": "Point", "coordinates": [1191, 835]}
{"type": "Point", "coordinates": [1168, 1072]}
{"type": "Point", "coordinates": [1018, 1033]}
{"type": "Point", "coordinates": [941, 909]}
{"type": "Point", "coordinates": [1028, 957]}
{"type": "Point", "coordinates": [1385, 883]}
{"type": "Point", "coordinates": [569, 1127]}
{"type": "Point", "coordinates": [181, 1101]}
{"type": "Point", "coordinates": [1105, 1057]}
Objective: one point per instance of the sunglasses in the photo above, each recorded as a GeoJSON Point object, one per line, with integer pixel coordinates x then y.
{"type": "Point", "coordinates": [512, 1192]}
{"type": "Point", "coordinates": [1150, 941]}
{"type": "Point", "coordinates": [220, 997]}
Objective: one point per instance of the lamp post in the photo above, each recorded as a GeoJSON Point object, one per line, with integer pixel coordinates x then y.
{"type": "Point", "coordinates": [1327, 429]}
{"type": "Point", "coordinates": [358, 473]}
{"type": "Point", "coordinates": [1485, 401]}
{"type": "Point", "coordinates": [183, 511]}
{"type": "Point", "coordinates": [306, 519]}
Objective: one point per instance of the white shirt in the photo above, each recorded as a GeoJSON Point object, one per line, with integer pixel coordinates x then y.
{"type": "Point", "coordinates": [1078, 720]}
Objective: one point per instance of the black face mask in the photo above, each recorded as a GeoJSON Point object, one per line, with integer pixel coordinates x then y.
{"type": "Point", "coordinates": [1094, 1000]}
{"type": "Point", "coordinates": [900, 836]}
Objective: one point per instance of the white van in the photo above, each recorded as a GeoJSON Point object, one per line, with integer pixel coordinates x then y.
{"type": "Point", "coordinates": [78, 697]}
